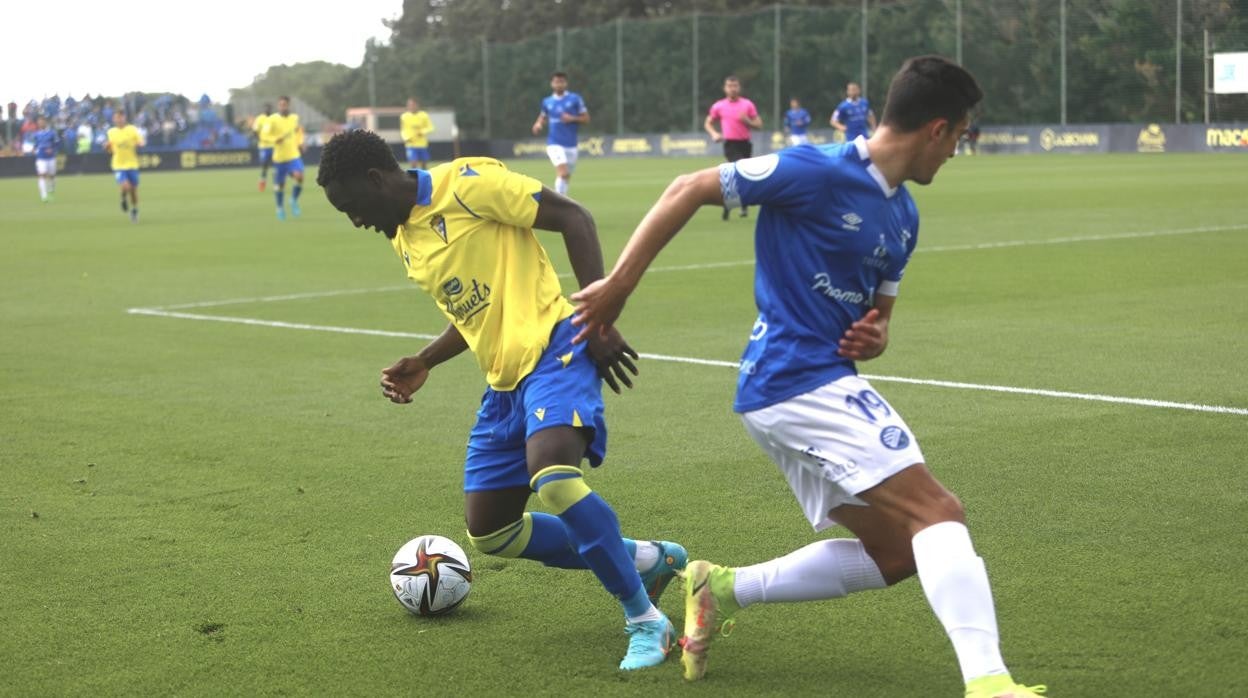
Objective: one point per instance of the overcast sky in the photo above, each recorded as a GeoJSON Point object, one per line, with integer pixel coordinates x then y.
{"type": "Point", "coordinates": [70, 47]}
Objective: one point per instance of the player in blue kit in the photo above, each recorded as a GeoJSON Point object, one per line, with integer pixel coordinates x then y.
{"type": "Point", "coordinates": [565, 112]}
{"type": "Point", "coordinates": [47, 141]}
{"type": "Point", "coordinates": [796, 120]}
{"type": "Point", "coordinates": [853, 116]}
{"type": "Point", "coordinates": [835, 232]}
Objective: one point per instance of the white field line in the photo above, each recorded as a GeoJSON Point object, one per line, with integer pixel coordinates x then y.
{"type": "Point", "coordinates": [717, 265]}
{"type": "Point", "coordinates": [719, 363]}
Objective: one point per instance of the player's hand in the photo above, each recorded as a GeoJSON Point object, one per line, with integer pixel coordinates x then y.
{"type": "Point", "coordinates": [717, 137]}
{"type": "Point", "coordinates": [612, 355]}
{"type": "Point", "coordinates": [865, 339]}
{"type": "Point", "coordinates": [598, 307]}
{"type": "Point", "coordinates": [566, 118]}
{"type": "Point", "coordinates": [537, 128]}
{"type": "Point", "coordinates": [405, 377]}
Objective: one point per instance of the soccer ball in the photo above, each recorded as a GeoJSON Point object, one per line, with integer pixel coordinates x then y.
{"type": "Point", "coordinates": [430, 575]}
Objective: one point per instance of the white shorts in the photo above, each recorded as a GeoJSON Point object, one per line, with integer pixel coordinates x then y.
{"type": "Point", "coordinates": [560, 155]}
{"type": "Point", "coordinates": [45, 167]}
{"type": "Point", "coordinates": [795, 139]}
{"type": "Point", "coordinates": [833, 443]}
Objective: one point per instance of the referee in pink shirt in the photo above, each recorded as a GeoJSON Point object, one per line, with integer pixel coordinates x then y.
{"type": "Point", "coordinates": [736, 115]}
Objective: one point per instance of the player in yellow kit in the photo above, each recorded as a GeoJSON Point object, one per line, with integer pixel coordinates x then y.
{"type": "Point", "coordinates": [264, 143]}
{"type": "Point", "coordinates": [465, 234]}
{"type": "Point", "coordinates": [124, 141]}
{"type": "Point", "coordinates": [287, 135]}
{"type": "Point", "coordinates": [415, 127]}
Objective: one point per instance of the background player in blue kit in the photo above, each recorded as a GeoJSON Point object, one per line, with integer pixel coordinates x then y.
{"type": "Point", "coordinates": [565, 111]}
{"type": "Point", "coordinates": [834, 234]}
{"type": "Point", "coordinates": [47, 142]}
{"type": "Point", "coordinates": [796, 120]}
{"type": "Point", "coordinates": [853, 116]}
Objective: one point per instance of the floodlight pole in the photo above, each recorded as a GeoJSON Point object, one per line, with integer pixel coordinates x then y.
{"type": "Point", "coordinates": [1205, 81]}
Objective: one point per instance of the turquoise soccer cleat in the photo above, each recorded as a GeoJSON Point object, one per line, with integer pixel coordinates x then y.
{"type": "Point", "coordinates": [649, 643]}
{"type": "Point", "coordinates": [672, 560]}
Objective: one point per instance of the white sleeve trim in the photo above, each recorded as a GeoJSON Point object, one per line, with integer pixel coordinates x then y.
{"type": "Point", "coordinates": [728, 184]}
{"type": "Point", "coordinates": [888, 288]}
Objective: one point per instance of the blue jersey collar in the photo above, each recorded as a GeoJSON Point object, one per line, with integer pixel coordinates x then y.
{"type": "Point", "coordinates": [424, 186]}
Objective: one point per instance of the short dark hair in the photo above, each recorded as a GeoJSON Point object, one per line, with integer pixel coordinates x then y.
{"type": "Point", "coordinates": [351, 154]}
{"type": "Point", "coordinates": [930, 87]}
{"type": "Point", "coordinates": [283, 97]}
{"type": "Point", "coordinates": [732, 78]}
{"type": "Point", "coordinates": [558, 74]}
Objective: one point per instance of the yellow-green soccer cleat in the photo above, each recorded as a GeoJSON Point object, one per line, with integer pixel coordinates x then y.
{"type": "Point", "coordinates": [1001, 686]}
{"type": "Point", "coordinates": [672, 560]}
{"type": "Point", "coordinates": [708, 599]}
{"type": "Point", "coordinates": [649, 643]}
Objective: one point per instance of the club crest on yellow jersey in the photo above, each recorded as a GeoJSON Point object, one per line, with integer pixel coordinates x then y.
{"type": "Point", "coordinates": [438, 223]}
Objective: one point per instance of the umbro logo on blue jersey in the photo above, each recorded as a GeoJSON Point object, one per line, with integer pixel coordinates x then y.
{"type": "Point", "coordinates": [852, 220]}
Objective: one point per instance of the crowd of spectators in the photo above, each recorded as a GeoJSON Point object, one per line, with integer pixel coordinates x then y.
{"type": "Point", "coordinates": [166, 122]}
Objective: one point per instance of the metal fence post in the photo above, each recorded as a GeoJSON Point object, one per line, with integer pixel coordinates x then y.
{"type": "Point", "coordinates": [958, 31]}
{"type": "Point", "coordinates": [775, 71]}
{"type": "Point", "coordinates": [619, 75]}
{"type": "Point", "coordinates": [1062, 50]}
{"type": "Point", "coordinates": [485, 83]}
{"type": "Point", "coordinates": [694, 122]}
{"type": "Point", "coordinates": [864, 48]}
{"type": "Point", "coordinates": [1178, 61]}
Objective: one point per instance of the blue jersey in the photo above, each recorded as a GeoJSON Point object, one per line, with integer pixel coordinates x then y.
{"type": "Point", "coordinates": [831, 234]}
{"type": "Point", "coordinates": [46, 142]}
{"type": "Point", "coordinates": [560, 133]}
{"type": "Point", "coordinates": [854, 115]}
{"type": "Point", "coordinates": [797, 120]}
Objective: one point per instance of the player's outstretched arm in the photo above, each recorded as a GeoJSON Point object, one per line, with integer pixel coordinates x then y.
{"type": "Point", "coordinates": [599, 304]}
{"type": "Point", "coordinates": [557, 213]}
{"type": "Point", "coordinates": [709, 125]}
{"type": "Point", "coordinates": [402, 379]}
{"type": "Point", "coordinates": [537, 125]}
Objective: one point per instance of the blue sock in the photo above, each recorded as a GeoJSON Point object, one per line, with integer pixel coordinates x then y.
{"type": "Point", "coordinates": [550, 544]}
{"type": "Point", "coordinates": [595, 531]}
{"type": "Point", "coordinates": [298, 190]}
{"type": "Point", "coordinates": [279, 196]}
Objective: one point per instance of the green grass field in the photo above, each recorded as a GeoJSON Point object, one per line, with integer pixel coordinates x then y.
{"type": "Point", "coordinates": [196, 507]}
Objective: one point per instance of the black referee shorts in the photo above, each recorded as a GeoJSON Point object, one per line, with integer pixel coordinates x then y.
{"type": "Point", "coordinates": [738, 150]}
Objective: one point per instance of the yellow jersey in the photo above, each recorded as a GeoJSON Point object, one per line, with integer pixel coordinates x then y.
{"type": "Point", "coordinates": [264, 138]}
{"type": "Point", "coordinates": [125, 142]}
{"type": "Point", "coordinates": [469, 243]}
{"type": "Point", "coordinates": [415, 127]}
{"type": "Point", "coordinates": [286, 135]}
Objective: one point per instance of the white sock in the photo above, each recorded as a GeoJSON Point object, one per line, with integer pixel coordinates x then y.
{"type": "Point", "coordinates": [956, 583]}
{"type": "Point", "coordinates": [646, 557]}
{"type": "Point", "coordinates": [51, 184]}
{"type": "Point", "coordinates": [561, 185]}
{"type": "Point", "coordinates": [652, 614]}
{"type": "Point", "coordinates": [43, 188]}
{"type": "Point", "coordinates": [827, 569]}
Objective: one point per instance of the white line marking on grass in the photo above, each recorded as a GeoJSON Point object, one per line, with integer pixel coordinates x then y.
{"type": "Point", "coordinates": [714, 265]}
{"type": "Point", "coordinates": [1140, 402]}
